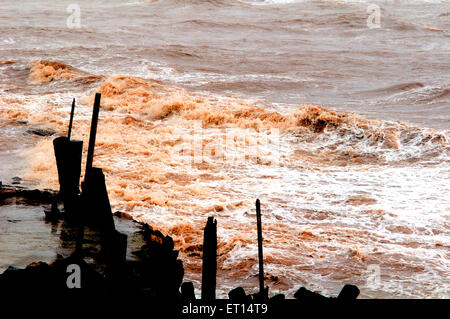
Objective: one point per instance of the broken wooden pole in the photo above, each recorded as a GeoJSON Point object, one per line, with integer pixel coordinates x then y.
{"type": "Point", "coordinates": [260, 248]}
{"type": "Point", "coordinates": [68, 162]}
{"type": "Point", "coordinates": [96, 199]}
{"type": "Point", "coordinates": [98, 215]}
{"type": "Point", "coordinates": [209, 268]}
{"type": "Point", "coordinates": [115, 248]}
{"type": "Point", "coordinates": [69, 133]}
{"type": "Point", "coordinates": [90, 155]}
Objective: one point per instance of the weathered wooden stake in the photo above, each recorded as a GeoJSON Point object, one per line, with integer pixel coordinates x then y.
{"type": "Point", "coordinates": [209, 269]}
{"type": "Point", "coordinates": [90, 156]}
{"type": "Point", "coordinates": [99, 207]}
{"type": "Point", "coordinates": [96, 201]}
{"type": "Point", "coordinates": [68, 162]}
{"type": "Point", "coordinates": [69, 133]}
{"type": "Point", "coordinates": [260, 248]}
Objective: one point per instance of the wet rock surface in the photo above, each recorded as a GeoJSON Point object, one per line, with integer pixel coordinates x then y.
{"type": "Point", "coordinates": [46, 248]}
{"type": "Point", "coordinates": [41, 131]}
{"type": "Point", "coordinates": [45, 254]}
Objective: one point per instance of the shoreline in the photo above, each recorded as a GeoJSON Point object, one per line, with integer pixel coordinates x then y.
{"type": "Point", "coordinates": [154, 246]}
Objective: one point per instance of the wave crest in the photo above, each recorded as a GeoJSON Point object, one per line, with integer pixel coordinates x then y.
{"type": "Point", "coordinates": [47, 71]}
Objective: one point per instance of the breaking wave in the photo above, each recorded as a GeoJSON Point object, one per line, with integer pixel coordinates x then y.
{"type": "Point", "coordinates": [324, 166]}
{"type": "Point", "coordinates": [48, 71]}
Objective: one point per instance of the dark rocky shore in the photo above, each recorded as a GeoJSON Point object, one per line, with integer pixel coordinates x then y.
{"type": "Point", "coordinates": [104, 253]}
{"type": "Point", "coordinates": [151, 268]}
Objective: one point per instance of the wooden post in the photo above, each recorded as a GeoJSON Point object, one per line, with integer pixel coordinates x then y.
{"type": "Point", "coordinates": [96, 203]}
{"type": "Point", "coordinates": [90, 155]}
{"type": "Point", "coordinates": [68, 162]}
{"type": "Point", "coordinates": [71, 119]}
{"type": "Point", "coordinates": [209, 269]}
{"type": "Point", "coordinates": [99, 207]}
{"type": "Point", "coordinates": [260, 249]}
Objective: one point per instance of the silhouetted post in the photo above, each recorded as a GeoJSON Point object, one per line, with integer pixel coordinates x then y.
{"type": "Point", "coordinates": [260, 248]}
{"type": "Point", "coordinates": [68, 162]}
{"type": "Point", "coordinates": [96, 196]}
{"type": "Point", "coordinates": [209, 268]}
{"type": "Point", "coordinates": [90, 155]}
{"type": "Point", "coordinates": [68, 159]}
{"type": "Point", "coordinates": [69, 133]}
{"type": "Point", "coordinates": [89, 160]}
{"type": "Point", "coordinates": [96, 201]}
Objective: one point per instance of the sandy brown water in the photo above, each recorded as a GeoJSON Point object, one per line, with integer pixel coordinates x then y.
{"type": "Point", "coordinates": [208, 105]}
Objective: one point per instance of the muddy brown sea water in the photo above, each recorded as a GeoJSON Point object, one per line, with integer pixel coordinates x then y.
{"type": "Point", "coordinates": [341, 130]}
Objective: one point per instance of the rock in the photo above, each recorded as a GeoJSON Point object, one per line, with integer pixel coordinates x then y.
{"type": "Point", "coordinates": [41, 132]}
{"type": "Point", "coordinates": [262, 297]}
{"type": "Point", "coordinates": [348, 292]}
{"type": "Point", "coordinates": [187, 291]}
{"type": "Point", "coordinates": [278, 298]}
{"type": "Point", "coordinates": [38, 274]}
{"type": "Point", "coordinates": [37, 266]}
{"type": "Point", "coordinates": [158, 267]}
{"type": "Point", "coordinates": [168, 243]}
{"type": "Point", "coordinates": [12, 271]}
{"type": "Point", "coordinates": [123, 215]}
{"type": "Point", "coordinates": [91, 280]}
{"type": "Point", "coordinates": [39, 277]}
{"type": "Point", "coordinates": [307, 295]}
{"type": "Point", "coordinates": [238, 295]}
